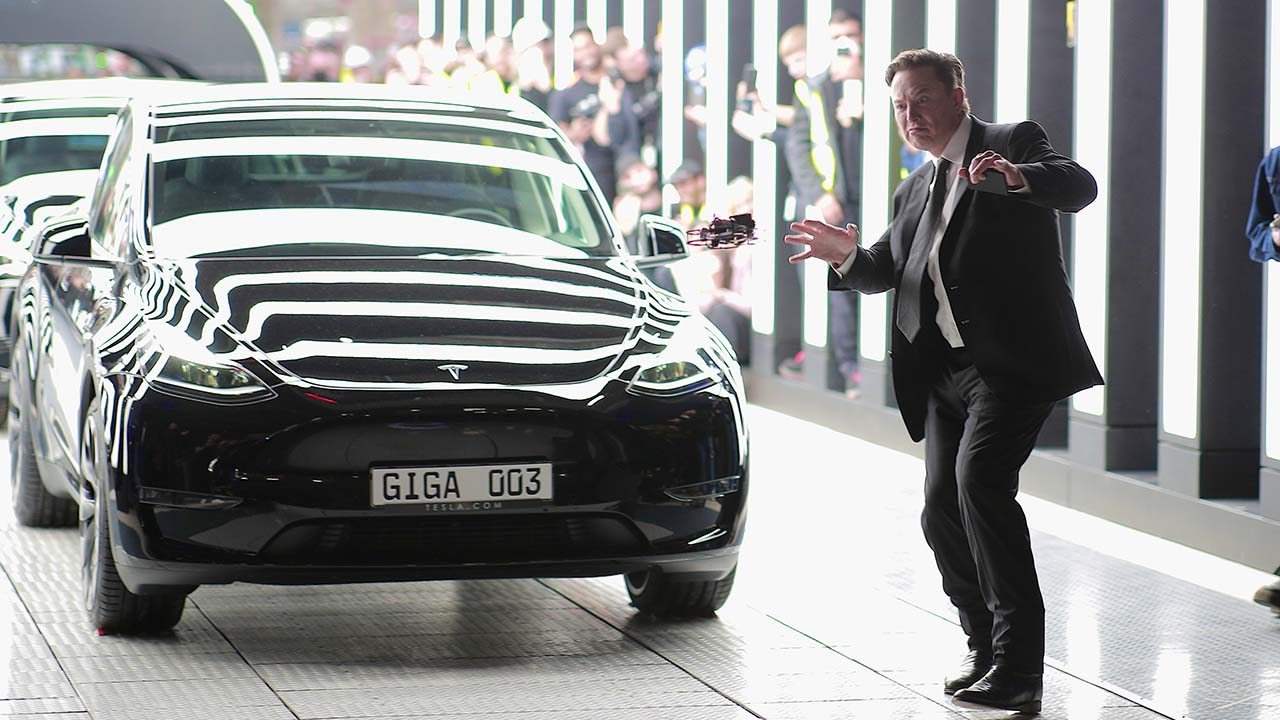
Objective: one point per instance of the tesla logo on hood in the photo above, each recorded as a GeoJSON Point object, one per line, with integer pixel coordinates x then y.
{"type": "Point", "coordinates": [453, 370]}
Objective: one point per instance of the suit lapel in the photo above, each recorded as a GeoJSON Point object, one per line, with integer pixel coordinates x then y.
{"type": "Point", "coordinates": [977, 143]}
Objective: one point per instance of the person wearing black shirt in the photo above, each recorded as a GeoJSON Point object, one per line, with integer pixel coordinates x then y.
{"type": "Point", "coordinates": [595, 113]}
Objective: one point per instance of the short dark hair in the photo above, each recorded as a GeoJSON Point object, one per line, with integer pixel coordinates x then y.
{"type": "Point", "coordinates": [840, 15]}
{"type": "Point", "coordinates": [946, 66]}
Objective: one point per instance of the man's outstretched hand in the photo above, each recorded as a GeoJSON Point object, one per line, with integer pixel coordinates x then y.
{"type": "Point", "coordinates": [824, 242]}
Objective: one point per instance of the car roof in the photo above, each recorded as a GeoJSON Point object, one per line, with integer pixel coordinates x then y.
{"type": "Point", "coordinates": [121, 88]}
{"type": "Point", "coordinates": [231, 96]}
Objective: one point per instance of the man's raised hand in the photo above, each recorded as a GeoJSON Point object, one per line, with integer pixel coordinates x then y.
{"type": "Point", "coordinates": [824, 242]}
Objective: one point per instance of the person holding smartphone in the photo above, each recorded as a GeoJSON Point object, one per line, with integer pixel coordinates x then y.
{"type": "Point", "coordinates": [985, 339]}
{"type": "Point", "coordinates": [1263, 229]}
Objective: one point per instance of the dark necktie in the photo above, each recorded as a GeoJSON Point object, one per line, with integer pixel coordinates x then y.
{"type": "Point", "coordinates": [911, 299]}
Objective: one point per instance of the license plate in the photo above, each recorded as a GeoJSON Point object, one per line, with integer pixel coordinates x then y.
{"type": "Point", "coordinates": [461, 487]}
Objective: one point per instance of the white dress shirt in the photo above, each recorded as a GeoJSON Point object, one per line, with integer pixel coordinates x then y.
{"type": "Point", "coordinates": [954, 153]}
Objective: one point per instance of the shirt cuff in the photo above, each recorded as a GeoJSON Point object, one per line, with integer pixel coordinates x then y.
{"type": "Point", "coordinates": [843, 268]}
{"type": "Point", "coordinates": [1025, 189]}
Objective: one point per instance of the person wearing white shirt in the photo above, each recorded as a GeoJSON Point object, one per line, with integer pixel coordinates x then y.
{"type": "Point", "coordinates": [985, 339]}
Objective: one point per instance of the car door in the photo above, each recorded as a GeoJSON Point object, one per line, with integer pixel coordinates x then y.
{"type": "Point", "coordinates": [70, 309]}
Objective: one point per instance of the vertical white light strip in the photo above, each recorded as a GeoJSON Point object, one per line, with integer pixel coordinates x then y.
{"type": "Point", "coordinates": [817, 14]}
{"type": "Point", "coordinates": [1013, 38]}
{"type": "Point", "coordinates": [426, 18]}
{"type": "Point", "coordinates": [476, 20]}
{"type": "Point", "coordinates": [877, 164]}
{"type": "Point", "coordinates": [633, 21]}
{"type": "Point", "coordinates": [533, 10]}
{"type": "Point", "coordinates": [502, 17]}
{"type": "Point", "coordinates": [1183, 221]}
{"type": "Point", "coordinates": [718, 90]}
{"type": "Point", "coordinates": [597, 20]}
{"type": "Point", "coordinates": [672, 124]}
{"type": "Point", "coordinates": [562, 72]}
{"type": "Point", "coordinates": [1091, 234]}
{"type": "Point", "coordinates": [814, 326]}
{"type": "Point", "coordinates": [940, 30]}
{"type": "Point", "coordinates": [1271, 401]}
{"type": "Point", "coordinates": [1271, 290]}
{"type": "Point", "coordinates": [452, 23]}
{"type": "Point", "coordinates": [764, 168]}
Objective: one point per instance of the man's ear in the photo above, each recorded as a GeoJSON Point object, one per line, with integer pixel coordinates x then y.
{"type": "Point", "coordinates": [957, 97]}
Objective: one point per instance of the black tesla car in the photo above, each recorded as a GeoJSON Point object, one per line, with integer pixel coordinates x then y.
{"type": "Point", "coordinates": [321, 334]}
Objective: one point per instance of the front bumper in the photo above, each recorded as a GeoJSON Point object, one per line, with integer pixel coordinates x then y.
{"type": "Point", "coordinates": [216, 495]}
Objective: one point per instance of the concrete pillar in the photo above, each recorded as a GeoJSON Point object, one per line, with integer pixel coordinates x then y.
{"type": "Point", "coordinates": [1210, 291]}
{"type": "Point", "coordinates": [1117, 243]}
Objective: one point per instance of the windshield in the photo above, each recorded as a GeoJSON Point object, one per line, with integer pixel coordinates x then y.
{"type": "Point", "coordinates": [461, 185]}
{"type": "Point", "coordinates": [50, 140]}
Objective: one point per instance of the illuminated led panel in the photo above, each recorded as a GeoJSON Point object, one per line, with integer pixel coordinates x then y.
{"type": "Point", "coordinates": [1013, 35]}
{"type": "Point", "coordinates": [1271, 399]}
{"type": "Point", "coordinates": [877, 164]}
{"type": "Point", "coordinates": [940, 30]}
{"type": "Point", "coordinates": [764, 170]}
{"type": "Point", "coordinates": [476, 12]}
{"type": "Point", "coordinates": [672, 124]}
{"type": "Point", "coordinates": [719, 86]}
{"type": "Point", "coordinates": [1182, 226]}
{"type": "Point", "coordinates": [1091, 233]}
{"type": "Point", "coordinates": [426, 18]}
{"type": "Point", "coordinates": [563, 63]}
{"type": "Point", "coordinates": [633, 22]}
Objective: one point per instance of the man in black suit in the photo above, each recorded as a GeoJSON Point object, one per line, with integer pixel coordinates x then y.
{"type": "Point", "coordinates": [985, 340]}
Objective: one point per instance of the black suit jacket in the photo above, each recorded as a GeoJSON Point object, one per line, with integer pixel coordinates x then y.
{"type": "Point", "coordinates": [1001, 261]}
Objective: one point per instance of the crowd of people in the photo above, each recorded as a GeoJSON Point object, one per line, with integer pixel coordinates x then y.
{"type": "Point", "coordinates": [610, 111]}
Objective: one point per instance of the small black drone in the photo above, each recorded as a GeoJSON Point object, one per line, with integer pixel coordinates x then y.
{"type": "Point", "coordinates": [724, 233]}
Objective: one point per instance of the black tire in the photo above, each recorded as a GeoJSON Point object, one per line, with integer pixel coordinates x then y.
{"type": "Point", "coordinates": [112, 607]}
{"type": "Point", "coordinates": [33, 505]}
{"type": "Point", "coordinates": [662, 595]}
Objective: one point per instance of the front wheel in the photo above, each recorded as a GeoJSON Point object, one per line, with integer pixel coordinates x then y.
{"type": "Point", "coordinates": [112, 607]}
{"type": "Point", "coordinates": [663, 595]}
{"type": "Point", "coordinates": [33, 505]}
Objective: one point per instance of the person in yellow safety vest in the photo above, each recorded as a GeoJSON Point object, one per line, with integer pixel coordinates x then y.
{"type": "Point", "coordinates": [824, 154]}
{"type": "Point", "coordinates": [691, 185]}
{"type": "Point", "coordinates": [500, 77]}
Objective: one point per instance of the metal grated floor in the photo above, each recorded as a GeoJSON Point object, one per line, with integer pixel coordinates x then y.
{"type": "Point", "coordinates": [838, 613]}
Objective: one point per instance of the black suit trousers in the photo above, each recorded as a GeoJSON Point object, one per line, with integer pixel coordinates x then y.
{"type": "Point", "coordinates": [975, 445]}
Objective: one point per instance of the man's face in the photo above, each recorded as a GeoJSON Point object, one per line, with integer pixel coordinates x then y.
{"type": "Point", "coordinates": [926, 113]}
{"type": "Point", "coordinates": [692, 190]}
{"type": "Point", "coordinates": [586, 54]}
{"type": "Point", "coordinates": [796, 64]}
{"type": "Point", "coordinates": [851, 29]}
{"type": "Point", "coordinates": [633, 63]}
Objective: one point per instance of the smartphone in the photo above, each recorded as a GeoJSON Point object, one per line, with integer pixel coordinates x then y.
{"type": "Point", "coordinates": [993, 182]}
{"type": "Point", "coordinates": [746, 104]}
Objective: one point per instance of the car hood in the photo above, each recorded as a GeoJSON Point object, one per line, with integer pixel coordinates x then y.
{"type": "Point", "coordinates": [415, 322]}
{"type": "Point", "coordinates": [51, 192]}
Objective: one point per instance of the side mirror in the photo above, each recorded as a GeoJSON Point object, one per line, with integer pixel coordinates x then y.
{"type": "Point", "coordinates": [661, 242]}
{"type": "Point", "coordinates": [64, 239]}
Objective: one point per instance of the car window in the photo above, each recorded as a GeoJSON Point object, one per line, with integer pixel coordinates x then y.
{"type": "Point", "coordinates": [112, 169]}
{"type": "Point", "coordinates": [38, 137]}
{"type": "Point", "coordinates": [503, 174]}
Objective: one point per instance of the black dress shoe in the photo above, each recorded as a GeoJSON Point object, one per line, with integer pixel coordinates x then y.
{"type": "Point", "coordinates": [1006, 690]}
{"type": "Point", "coordinates": [975, 665]}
